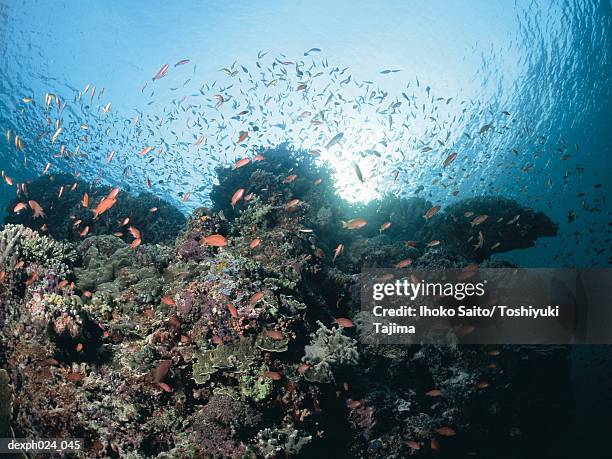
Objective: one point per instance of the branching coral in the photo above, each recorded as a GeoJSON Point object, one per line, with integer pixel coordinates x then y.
{"type": "Point", "coordinates": [329, 349]}
{"type": "Point", "coordinates": [18, 243]}
{"type": "Point", "coordinates": [276, 442]}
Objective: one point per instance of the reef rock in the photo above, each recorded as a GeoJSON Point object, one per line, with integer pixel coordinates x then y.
{"type": "Point", "coordinates": [225, 340]}
{"type": "Point", "coordinates": [66, 217]}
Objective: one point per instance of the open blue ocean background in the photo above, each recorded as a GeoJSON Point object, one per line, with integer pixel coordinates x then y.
{"type": "Point", "coordinates": [520, 90]}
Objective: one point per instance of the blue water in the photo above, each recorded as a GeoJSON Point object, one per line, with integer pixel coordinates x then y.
{"type": "Point", "coordinates": [537, 72]}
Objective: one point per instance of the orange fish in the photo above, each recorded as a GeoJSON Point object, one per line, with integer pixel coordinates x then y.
{"type": "Point", "coordinates": [274, 375]}
{"type": "Point", "coordinates": [256, 297]}
{"type": "Point", "coordinates": [274, 334]}
{"type": "Point", "coordinates": [478, 220]}
{"type": "Point", "coordinates": [302, 367]}
{"type": "Point", "coordinates": [125, 221]}
{"type": "Point", "coordinates": [258, 158]}
{"type": "Point", "coordinates": [433, 243]}
{"type": "Point", "coordinates": [186, 197]}
{"type": "Point", "coordinates": [19, 207]}
{"type": "Point", "coordinates": [404, 263]}
{"type": "Point", "coordinates": [242, 136]}
{"type": "Point", "coordinates": [85, 201]}
{"type": "Point", "coordinates": [8, 180]}
{"type": "Point", "coordinates": [446, 431]}
{"type": "Point", "coordinates": [254, 243]}
{"type": "Point", "coordinates": [135, 243]}
{"type": "Point", "coordinates": [38, 211]}
{"type": "Point", "coordinates": [241, 162]}
{"type": "Point", "coordinates": [413, 444]}
{"type": "Point", "coordinates": [385, 226]}
{"type": "Point", "coordinates": [168, 301]}
{"type": "Point", "coordinates": [237, 196]}
{"type": "Point", "coordinates": [74, 377]}
{"type": "Point", "coordinates": [354, 224]}
{"type": "Point", "coordinates": [431, 212]}
{"type": "Point", "coordinates": [84, 232]}
{"type": "Point", "coordinates": [165, 387]}
{"type": "Point", "coordinates": [135, 232]}
{"type": "Point", "coordinates": [338, 251]}
{"type": "Point", "coordinates": [145, 150]}
{"type": "Point", "coordinates": [31, 279]}
{"type": "Point", "coordinates": [232, 310]}
{"type": "Point", "coordinates": [293, 205]}
{"type": "Point", "coordinates": [434, 393]}
{"type": "Point", "coordinates": [104, 205]}
{"type": "Point", "coordinates": [290, 178]}
{"type": "Point", "coordinates": [113, 194]}
{"type": "Point", "coordinates": [215, 240]}
{"type": "Point", "coordinates": [344, 322]}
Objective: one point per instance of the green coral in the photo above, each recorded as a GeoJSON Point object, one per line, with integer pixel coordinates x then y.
{"type": "Point", "coordinates": [284, 442]}
{"type": "Point", "coordinates": [143, 360]}
{"type": "Point", "coordinates": [329, 349]}
{"type": "Point", "coordinates": [257, 213]}
{"type": "Point", "coordinates": [59, 303]}
{"type": "Point", "coordinates": [254, 386]}
{"type": "Point", "coordinates": [120, 276]}
{"type": "Point", "coordinates": [266, 343]}
{"type": "Point", "coordinates": [103, 257]}
{"type": "Point", "coordinates": [236, 355]}
{"type": "Point", "coordinates": [20, 243]}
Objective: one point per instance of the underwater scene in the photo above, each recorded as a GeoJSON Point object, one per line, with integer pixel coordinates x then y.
{"type": "Point", "coordinates": [195, 193]}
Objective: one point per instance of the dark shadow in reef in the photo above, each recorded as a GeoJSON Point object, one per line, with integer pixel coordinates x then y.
{"type": "Point", "coordinates": [61, 197]}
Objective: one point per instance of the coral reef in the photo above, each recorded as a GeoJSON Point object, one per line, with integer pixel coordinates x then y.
{"type": "Point", "coordinates": [6, 404]}
{"type": "Point", "coordinates": [328, 350]}
{"type": "Point", "coordinates": [225, 341]}
{"type": "Point", "coordinates": [67, 216]}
